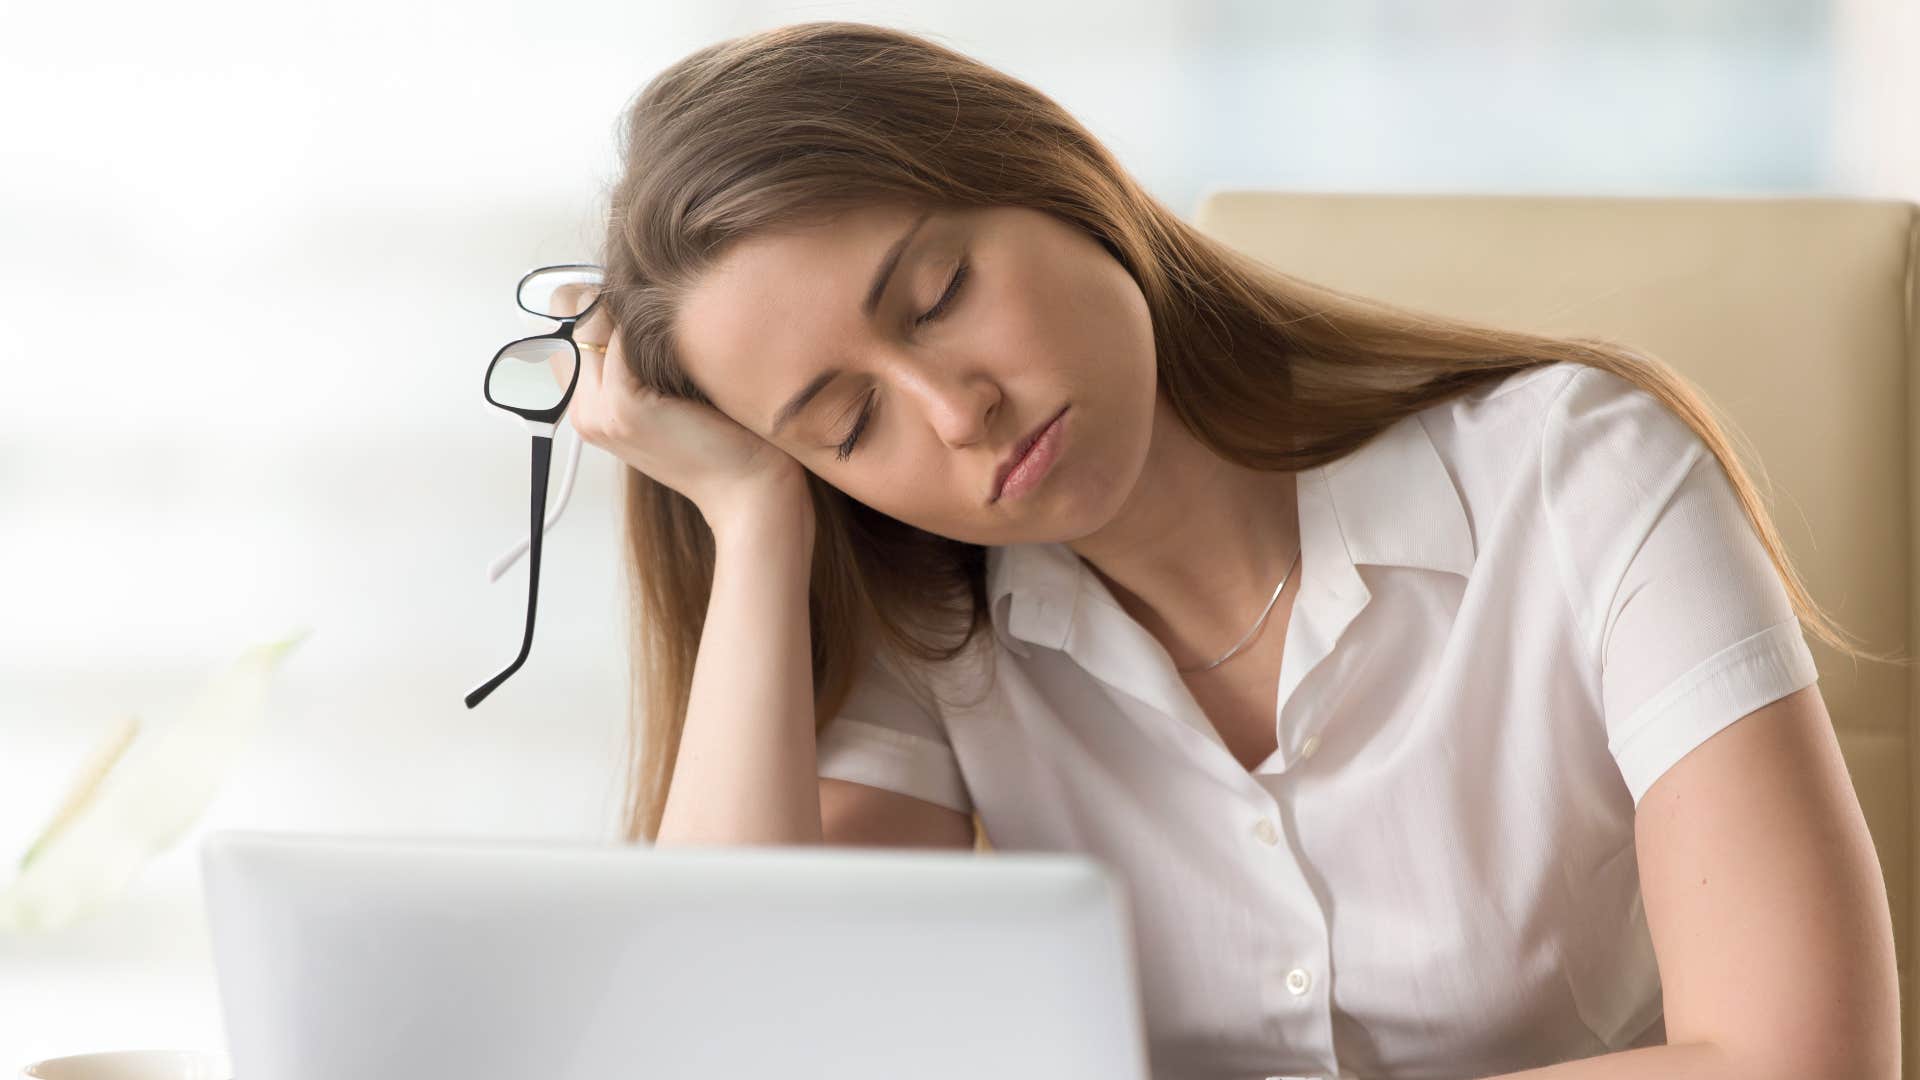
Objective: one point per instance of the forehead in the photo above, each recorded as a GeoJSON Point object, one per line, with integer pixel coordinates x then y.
{"type": "Point", "coordinates": [783, 301]}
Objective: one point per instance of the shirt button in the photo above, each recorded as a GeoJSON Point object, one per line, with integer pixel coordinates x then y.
{"type": "Point", "coordinates": [1307, 748]}
{"type": "Point", "coordinates": [1298, 980]}
{"type": "Point", "coordinates": [1266, 832]}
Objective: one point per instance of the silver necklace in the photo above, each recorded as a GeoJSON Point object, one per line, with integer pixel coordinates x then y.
{"type": "Point", "coordinates": [1248, 636]}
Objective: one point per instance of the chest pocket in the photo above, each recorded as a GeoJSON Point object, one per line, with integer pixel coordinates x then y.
{"type": "Point", "coordinates": [1607, 953]}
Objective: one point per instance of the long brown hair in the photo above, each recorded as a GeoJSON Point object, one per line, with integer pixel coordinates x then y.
{"type": "Point", "coordinates": [786, 127]}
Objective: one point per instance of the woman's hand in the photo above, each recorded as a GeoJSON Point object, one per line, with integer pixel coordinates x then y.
{"type": "Point", "coordinates": [724, 468]}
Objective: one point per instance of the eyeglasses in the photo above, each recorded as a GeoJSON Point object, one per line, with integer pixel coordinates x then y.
{"type": "Point", "coordinates": [533, 378]}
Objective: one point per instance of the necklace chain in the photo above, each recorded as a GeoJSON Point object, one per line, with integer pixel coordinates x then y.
{"type": "Point", "coordinates": [1248, 636]}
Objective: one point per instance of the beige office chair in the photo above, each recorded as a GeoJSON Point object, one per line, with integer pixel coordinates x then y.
{"type": "Point", "coordinates": [1798, 317]}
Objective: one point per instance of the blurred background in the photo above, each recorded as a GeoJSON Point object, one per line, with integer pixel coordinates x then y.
{"type": "Point", "coordinates": [254, 259]}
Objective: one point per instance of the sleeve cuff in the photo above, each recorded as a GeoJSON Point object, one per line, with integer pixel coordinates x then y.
{"type": "Point", "coordinates": [1723, 688]}
{"type": "Point", "coordinates": [894, 760]}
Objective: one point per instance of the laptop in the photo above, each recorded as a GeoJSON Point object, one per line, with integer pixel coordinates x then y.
{"type": "Point", "coordinates": [476, 959]}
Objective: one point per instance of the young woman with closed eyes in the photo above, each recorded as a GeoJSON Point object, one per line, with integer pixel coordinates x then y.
{"type": "Point", "coordinates": [1437, 689]}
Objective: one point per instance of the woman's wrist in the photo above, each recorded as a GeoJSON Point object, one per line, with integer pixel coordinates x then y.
{"type": "Point", "coordinates": [779, 511]}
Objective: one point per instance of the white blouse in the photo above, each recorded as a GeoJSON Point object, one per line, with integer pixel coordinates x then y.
{"type": "Point", "coordinates": [1517, 609]}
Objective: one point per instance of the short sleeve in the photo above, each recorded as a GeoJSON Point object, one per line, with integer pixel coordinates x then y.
{"type": "Point", "coordinates": [1674, 595]}
{"type": "Point", "coordinates": [888, 735]}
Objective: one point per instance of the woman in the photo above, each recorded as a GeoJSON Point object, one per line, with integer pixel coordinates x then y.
{"type": "Point", "coordinates": [1509, 588]}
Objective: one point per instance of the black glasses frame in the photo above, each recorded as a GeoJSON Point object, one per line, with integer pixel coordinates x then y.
{"type": "Point", "coordinates": [542, 451]}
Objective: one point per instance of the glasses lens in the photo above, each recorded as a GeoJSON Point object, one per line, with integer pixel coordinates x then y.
{"type": "Point", "coordinates": [560, 292]}
{"type": "Point", "coordinates": [532, 374]}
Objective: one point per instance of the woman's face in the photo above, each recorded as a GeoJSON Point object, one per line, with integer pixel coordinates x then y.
{"type": "Point", "coordinates": [940, 378]}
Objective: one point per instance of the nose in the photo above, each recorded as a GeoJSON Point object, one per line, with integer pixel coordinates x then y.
{"type": "Point", "coordinates": [959, 407]}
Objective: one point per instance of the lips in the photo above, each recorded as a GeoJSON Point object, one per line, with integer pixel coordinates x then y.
{"type": "Point", "coordinates": [1020, 451]}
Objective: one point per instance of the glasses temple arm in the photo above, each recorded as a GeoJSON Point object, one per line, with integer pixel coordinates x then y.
{"type": "Point", "coordinates": [512, 555]}
{"type": "Point", "coordinates": [542, 457]}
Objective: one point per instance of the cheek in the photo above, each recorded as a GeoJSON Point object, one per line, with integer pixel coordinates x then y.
{"type": "Point", "coordinates": [1079, 314]}
{"type": "Point", "coordinates": [927, 486]}
{"type": "Point", "coordinates": [1127, 324]}
{"type": "Point", "coordinates": [915, 471]}
{"type": "Point", "coordinates": [1014, 303]}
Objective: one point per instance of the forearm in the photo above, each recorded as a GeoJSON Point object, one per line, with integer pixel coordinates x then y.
{"type": "Point", "coordinates": [1682, 1061]}
{"type": "Point", "coordinates": [745, 771]}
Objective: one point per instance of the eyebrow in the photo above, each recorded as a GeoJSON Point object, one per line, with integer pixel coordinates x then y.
{"type": "Point", "coordinates": [881, 276]}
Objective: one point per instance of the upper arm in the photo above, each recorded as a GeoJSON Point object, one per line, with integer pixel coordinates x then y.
{"type": "Point", "coordinates": [1765, 901]}
{"type": "Point", "coordinates": [855, 813]}
{"type": "Point", "coordinates": [1681, 614]}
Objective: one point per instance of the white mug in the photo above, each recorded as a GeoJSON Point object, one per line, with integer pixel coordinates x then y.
{"type": "Point", "coordinates": [132, 1065]}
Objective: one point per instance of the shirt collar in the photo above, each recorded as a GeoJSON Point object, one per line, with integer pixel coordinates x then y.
{"type": "Point", "coordinates": [1397, 504]}
{"type": "Point", "coordinates": [1391, 501]}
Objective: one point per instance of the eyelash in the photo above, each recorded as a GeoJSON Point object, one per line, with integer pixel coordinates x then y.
{"type": "Point", "coordinates": [940, 306]}
{"type": "Point", "coordinates": [938, 309]}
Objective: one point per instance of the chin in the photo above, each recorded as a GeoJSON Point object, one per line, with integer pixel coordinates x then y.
{"type": "Point", "coordinates": [1095, 501]}
{"type": "Point", "coordinates": [1107, 486]}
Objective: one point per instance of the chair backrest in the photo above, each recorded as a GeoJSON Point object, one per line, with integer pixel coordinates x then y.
{"type": "Point", "coordinates": [1799, 319]}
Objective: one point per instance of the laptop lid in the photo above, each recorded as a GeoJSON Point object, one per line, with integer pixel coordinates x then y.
{"type": "Point", "coordinates": [351, 956]}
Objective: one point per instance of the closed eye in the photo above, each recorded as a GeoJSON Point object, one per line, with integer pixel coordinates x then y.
{"type": "Point", "coordinates": [846, 447]}
{"type": "Point", "coordinates": [939, 307]}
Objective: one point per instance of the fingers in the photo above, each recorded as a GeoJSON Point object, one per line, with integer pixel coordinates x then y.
{"type": "Point", "coordinates": [589, 362]}
{"type": "Point", "coordinates": [571, 298]}
{"type": "Point", "coordinates": [559, 364]}
{"type": "Point", "coordinates": [591, 338]}
{"type": "Point", "coordinates": [589, 397]}
{"type": "Point", "coordinates": [615, 361]}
